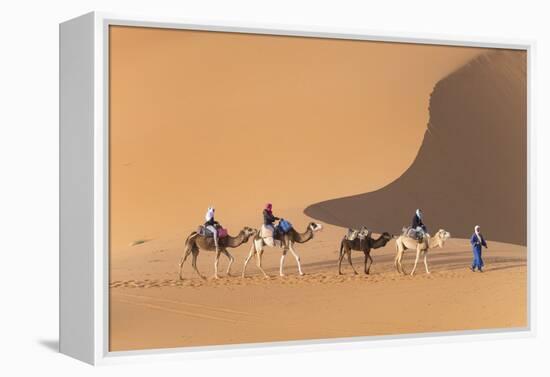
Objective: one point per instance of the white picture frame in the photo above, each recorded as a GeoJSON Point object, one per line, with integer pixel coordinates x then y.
{"type": "Point", "coordinates": [84, 199]}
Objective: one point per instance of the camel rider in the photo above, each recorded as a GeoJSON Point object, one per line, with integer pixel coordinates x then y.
{"type": "Point", "coordinates": [269, 218]}
{"type": "Point", "coordinates": [418, 225]}
{"type": "Point", "coordinates": [212, 224]}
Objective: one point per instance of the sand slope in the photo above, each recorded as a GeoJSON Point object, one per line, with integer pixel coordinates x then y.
{"type": "Point", "coordinates": [471, 167]}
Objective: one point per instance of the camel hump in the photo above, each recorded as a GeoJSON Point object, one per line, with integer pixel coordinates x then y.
{"type": "Point", "coordinates": [191, 237]}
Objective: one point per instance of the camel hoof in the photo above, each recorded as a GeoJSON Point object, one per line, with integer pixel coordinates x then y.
{"type": "Point", "coordinates": [302, 274]}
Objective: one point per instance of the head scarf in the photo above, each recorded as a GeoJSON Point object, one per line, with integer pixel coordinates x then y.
{"type": "Point", "coordinates": [478, 234]}
{"type": "Point", "coordinates": [268, 207]}
{"type": "Point", "coordinates": [419, 214]}
{"type": "Point", "coordinates": [209, 213]}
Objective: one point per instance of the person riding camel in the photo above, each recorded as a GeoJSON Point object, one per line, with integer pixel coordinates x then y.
{"type": "Point", "coordinates": [269, 218]}
{"type": "Point", "coordinates": [418, 225]}
{"type": "Point", "coordinates": [212, 225]}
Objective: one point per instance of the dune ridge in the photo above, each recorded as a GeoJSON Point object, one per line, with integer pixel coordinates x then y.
{"type": "Point", "coordinates": [471, 167]}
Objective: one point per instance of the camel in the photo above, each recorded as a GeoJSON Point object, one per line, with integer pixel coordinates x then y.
{"type": "Point", "coordinates": [196, 242]}
{"type": "Point", "coordinates": [403, 243]}
{"type": "Point", "coordinates": [364, 245]}
{"type": "Point", "coordinates": [286, 242]}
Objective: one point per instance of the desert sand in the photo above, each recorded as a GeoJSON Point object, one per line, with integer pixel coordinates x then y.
{"type": "Point", "coordinates": [237, 120]}
{"type": "Point", "coordinates": [152, 308]}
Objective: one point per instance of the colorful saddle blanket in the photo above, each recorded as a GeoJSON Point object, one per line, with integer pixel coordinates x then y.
{"type": "Point", "coordinates": [204, 231]}
{"type": "Point", "coordinates": [284, 226]}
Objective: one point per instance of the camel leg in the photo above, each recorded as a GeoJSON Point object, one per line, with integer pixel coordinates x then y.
{"type": "Point", "coordinates": [259, 262]}
{"type": "Point", "coordinates": [281, 273]}
{"type": "Point", "coordinates": [426, 262]}
{"type": "Point", "coordinates": [370, 265]}
{"type": "Point", "coordinates": [367, 267]}
{"type": "Point", "coordinates": [348, 254]}
{"type": "Point", "coordinates": [297, 257]}
{"type": "Point", "coordinates": [250, 254]}
{"type": "Point", "coordinates": [216, 264]}
{"type": "Point", "coordinates": [416, 260]}
{"type": "Point", "coordinates": [342, 253]}
{"type": "Point", "coordinates": [398, 260]}
{"type": "Point", "coordinates": [231, 260]}
{"type": "Point", "coordinates": [396, 263]}
{"type": "Point", "coordinates": [182, 261]}
{"type": "Point", "coordinates": [194, 264]}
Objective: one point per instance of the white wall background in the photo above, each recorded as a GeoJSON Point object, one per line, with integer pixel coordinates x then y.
{"type": "Point", "coordinates": [29, 186]}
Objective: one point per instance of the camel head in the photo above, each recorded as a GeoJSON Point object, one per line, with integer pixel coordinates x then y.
{"type": "Point", "coordinates": [248, 232]}
{"type": "Point", "coordinates": [315, 226]}
{"type": "Point", "coordinates": [386, 236]}
{"type": "Point", "coordinates": [441, 236]}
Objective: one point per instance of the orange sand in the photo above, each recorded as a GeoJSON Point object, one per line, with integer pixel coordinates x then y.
{"type": "Point", "coordinates": [236, 120]}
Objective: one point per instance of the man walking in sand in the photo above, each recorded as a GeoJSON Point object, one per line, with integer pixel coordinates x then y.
{"type": "Point", "coordinates": [477, 242]}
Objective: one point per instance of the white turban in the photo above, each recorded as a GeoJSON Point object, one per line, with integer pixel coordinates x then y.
{"type": "Point", "coordinates": [209, 213]}
{"type": "Point", "coordinates": [476, 229]}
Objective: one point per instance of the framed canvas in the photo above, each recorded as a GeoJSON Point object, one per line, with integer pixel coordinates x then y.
{"type": "Point", "coordinates": [240, 189]}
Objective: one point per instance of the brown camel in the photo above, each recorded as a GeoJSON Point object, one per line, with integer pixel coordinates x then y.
{"type": "Point", "coordinates": [365, 245]}
{"type": "Point", "coordinates": [286, 242]}
{"type": "Point", "coordinates": [196, 242]}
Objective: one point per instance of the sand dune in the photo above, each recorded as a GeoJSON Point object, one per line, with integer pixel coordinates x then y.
{"type": "Point", "coordinates": [237, 120]}
{"type": "Point", "coordinates": [472, 165]}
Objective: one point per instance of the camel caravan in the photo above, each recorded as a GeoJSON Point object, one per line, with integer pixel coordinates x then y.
{"type": "Point", "coordinates": [277, 232]}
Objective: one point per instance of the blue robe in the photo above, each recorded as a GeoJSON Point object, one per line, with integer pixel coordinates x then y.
{"type": "Point", "coordinates": [476, 248]}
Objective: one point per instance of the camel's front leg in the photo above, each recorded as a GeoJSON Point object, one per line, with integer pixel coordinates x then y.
{"type": "Point", "coordinates": [416, 260]}
{"type": "Point", "coordinates": [250, 254]}
{"type": "Point", "coordinates": [281, 273]}
{"type": "Point", "coordinates": [297, 257]}
{"type": "Point", "coordinates": [367, 269]}
{"type": "Point", "coordinates": [426, 261]}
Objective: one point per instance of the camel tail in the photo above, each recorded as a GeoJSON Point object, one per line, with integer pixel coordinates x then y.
{"type": "Point", "coordinates": [341, 246]}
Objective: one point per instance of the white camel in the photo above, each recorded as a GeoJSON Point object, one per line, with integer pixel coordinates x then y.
{"type": "Point", "coordinates": [286, 242]}
{"type": "Point", "coordinates": [403, 243]}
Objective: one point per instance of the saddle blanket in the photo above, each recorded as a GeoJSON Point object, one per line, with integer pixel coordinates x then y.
{"type": "Point", "coordinates": [203, 231]}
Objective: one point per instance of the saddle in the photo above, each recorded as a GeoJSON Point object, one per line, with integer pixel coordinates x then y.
{"type": "Point", "coordinates": [267, 233]}
{"type": "Point", "coordinates": [205, 232]}
{"type": "Point", "coordinates": [415, 234]}
{"type": "Point", "coordinates": [352, 234]}
{"type": "Point", "coordinates": [284, 226]}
